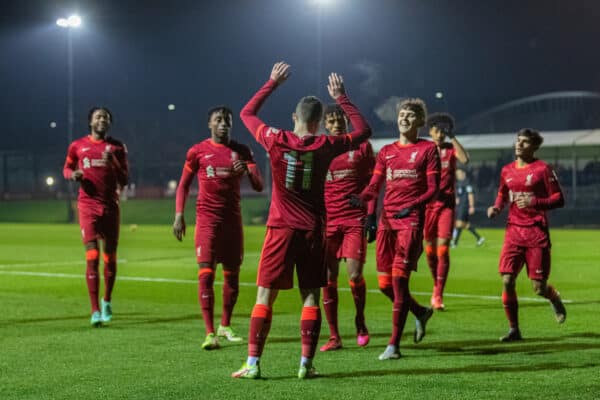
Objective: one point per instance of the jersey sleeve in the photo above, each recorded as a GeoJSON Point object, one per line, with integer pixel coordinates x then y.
{"type": "Point", "coordinates": [122, 165]}
{"type": "Point", "coordinates": [502, 196]}
{"type": "Point", "coordinates": [555, 197]}
{"type": "Point", "coordinates": [190, 168]}
{"type": "Point", "coordinates": [367, 171]}
{"type": "Point", "coordinates": [371, 191]}
{"type": "Point", "coordinates": [71, 161]}
{"type": "Point", "coordinates": [249, 113]}
{"type": "Point", "coordinates": [361, 132]}
{"type": "Point", "coordinates": [254, 175]}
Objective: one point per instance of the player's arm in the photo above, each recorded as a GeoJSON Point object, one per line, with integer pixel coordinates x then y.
{"type": "Point", "coordinates": [183, 190]}
{"type": "Point", "coordinates": [361, 131]}
{"type": "Point", "coordinates": [459, 150]}
{"type": "Point", "coordinates": [70, 170]}
{"type": "Point", "coordinates": [248, 166]}
{"type": "Point", "coordinates": [249, 113]}
{"type": "Point", "coordinates": [369, 165]}
{"type": "Point", "coordinates": [371, 191]}
{"type": "Point", "coordinates": [501, 198]}
{"type": "Point", "coordinates": [555, 197]}
{"type": "Point", "coordinates": [121, 166]}
{"type": "Point", "coordinates": [471, 198]}
{"type": "Point", "coordinates": [433, 185]}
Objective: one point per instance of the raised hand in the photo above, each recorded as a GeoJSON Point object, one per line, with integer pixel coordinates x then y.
{"type": "Point", "coordinates": [335, 87]}
{"type": "Point", "coordinates": [240, 167]}
{"type": "Point", "coordinates": [280, 72]}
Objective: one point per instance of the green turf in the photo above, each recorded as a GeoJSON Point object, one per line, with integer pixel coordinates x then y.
{"type": "Point", "coordinates": [152, 348]}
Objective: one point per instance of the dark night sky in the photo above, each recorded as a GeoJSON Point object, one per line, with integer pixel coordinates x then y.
{"type": "Point", "coordinates": [137, 59]}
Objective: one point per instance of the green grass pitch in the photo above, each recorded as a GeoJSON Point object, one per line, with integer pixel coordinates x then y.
{"type": "Point", "coordinates": [152, 347]}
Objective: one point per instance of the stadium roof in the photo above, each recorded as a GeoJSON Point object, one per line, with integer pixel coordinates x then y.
{"type": "Point", "coordinates": [588, 137]}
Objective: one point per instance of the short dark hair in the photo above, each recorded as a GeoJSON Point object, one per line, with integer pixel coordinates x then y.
{"type": "Point", "coordinates": [414, 104]}
{"type": "Point", "coordinates": [223, 109]}
{"type": "Point", "coordinates": [97, 108]}
{"type": "Point", "coordinates": [533, 135]}
{"type": "Point", "coordinates": [333, 108]}
{"type": "Point", "coordinates": [309, 109]}
{"type": "Point", "coordinates": [441, 119]}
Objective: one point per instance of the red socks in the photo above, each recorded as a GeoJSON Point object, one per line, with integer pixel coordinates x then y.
{"type": "Point", "coordinates": [359, 294]}
{"type": "Point", "coordinates": [206, 297]}
{"type": "Point", "coordinates": [110, 274]}
{"type": "Point", "coordinates": [310, 328]}
{"type": "Point", "coordinates": [443, 265]}
{"type": "Point", "coordinates": [330, 304]}
{"type": "Point", "coordinates": [231, 289]}
{"type": "Point", "coordinates": [511, 308]}
{"type": "Point", "coordinates": [91, 276]}
{"type": "Point", "coordinates": [400, 308]}
{"type": "Point", "coordinates": [260, 325]}
{"type": "Point", "coordinates": [385, 285]}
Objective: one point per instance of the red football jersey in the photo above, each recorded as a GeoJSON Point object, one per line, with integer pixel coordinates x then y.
{"type": "Point", "coordinates": [537, 180]}
{"type": "Point", "coordinates": [348, 173]}
{"type": "Point", "coordinates": [218, 185]}
{"type": "Point", "coordinates": [101, 181]}
{"type": "Point", "coordinates": [299, 164]}
{"type": "Point", "coordinates": [406, 170]}
{"type": "Point", "coordinates": [447, 175]}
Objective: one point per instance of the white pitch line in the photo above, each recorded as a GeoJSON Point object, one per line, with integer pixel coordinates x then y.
{"type": "Point", "coordinates": [195, 282]}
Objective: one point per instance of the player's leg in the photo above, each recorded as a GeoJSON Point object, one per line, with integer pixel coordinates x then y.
{"type": "Point", "coordinates": [205, 241]}
{"type": "Point", "coordinates": [330, 291]}
{"type": "Point", "coordinates": [444, 231]}
{"type": "Point", "coordinates": [260, 325]}
{"type": "Point", "coordinates": [409, 246]}
{"type": "Point", "coordinates": [538, 269]}
{"type": "Point", "coordinates": [275, 272]}
{"type": "Point", "coordinates": [111, 240]}
{"type": "Point", "coordinates": [230, 253]}
{"type": "Point", "coordinates": [88, 222]}
{"type": "Point", "coordinates": [385, 246]}
{"type": "Point", "coordinates": [92, 257]}
{"type": "Point", "coordinates": [354, 250]}
{"type": "Point", "coordinates": [312, 275]}
{"type": "Point", "coordinates": [430, 235]}
{"type": "Point", "coordinates": [310, 328]}
{"type": "Point", "coordinates": [512, 259]}
{"type": "Point", "coordinates": [480, 239]}
{"type": "Point", "coordinates": [459, 225]}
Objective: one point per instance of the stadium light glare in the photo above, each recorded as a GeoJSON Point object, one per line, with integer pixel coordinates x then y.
{"type": "Point", "coordinates": [50, 181]}
{"type": "Point", "coordinates": [171, 107]}
{"type": "Point", "coordinates": [172, 185]}
{"type": "Point", "coordinates": [439, 95]}
{"type": "Point", "coordinates": [52, 124]}
{"type": "Point", "coordinates": [74, 21]}
{"type": "Point", "coordinates": [62, 22]}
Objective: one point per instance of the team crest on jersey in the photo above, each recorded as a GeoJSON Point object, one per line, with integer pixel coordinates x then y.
{"type": "Point", "coordinates": [210, 171]}
{"type": "Point", "coordinates": [413, 156]}
{"type": "Point", "coordinates": [351, 156]}
{"type": "Point", "coordinates": [528, 180]}
{"type": "Point", "coordinates": [443, 152]}
{"type": "Point", "coordinates": [86, 163]}
{"type": "Point", "coordinates": [108, 147]}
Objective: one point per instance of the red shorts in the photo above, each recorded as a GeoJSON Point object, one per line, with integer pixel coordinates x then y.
{"type": "Point", "coordinates": [439, 222]}
{"type": "Point", "coordinates": [537, 259]}
{"type": "Point", "coordinates": [285, 247]}
{"type": "Point", "coordinates": [398, 252]}
{"type": "Point", "coordinates": [99, 223]}
{"type": "Point", "coordinates": [222, 243]}
{"type": "Point", "coordinates": [346, 242]}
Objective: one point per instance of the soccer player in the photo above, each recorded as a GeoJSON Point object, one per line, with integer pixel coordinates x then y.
{"type": "Point", "coordinates": [531, 187]}
{"type": "Point", "coordinates": [345, 232]}
{"type": "Point", "coordinates": [465, 207]}
{"type": "Point", "coordinates": [439, 214]}
{"type": "Point", "coordinates": [99, 163]}
{"type": "Point", "coordinates": [219, 163]}
{"type": "Point", "coordinates": [410, 168]}
{"type": "Point", "coordinates": [299, 162]}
